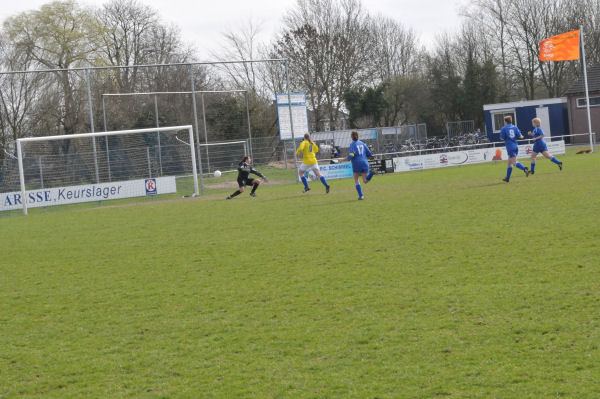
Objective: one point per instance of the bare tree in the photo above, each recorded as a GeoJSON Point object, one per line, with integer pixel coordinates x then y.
{"type": "Point", "coordinates": [395, 49]}
{"type": "Point", "coordinates": [517, 27]}
{"type": "Point", "coordinates": [241, 45]}
{"type": "Point", "coordinates": [328, 45]}
{"type": "Point", "coordinates": [60, 35]}
{"type": "Point", "coordinates": [17, 94]}
{"type": "Point", "coordinates": [127, 38]}
{"type": "Point", "coordinates": [491, 17]}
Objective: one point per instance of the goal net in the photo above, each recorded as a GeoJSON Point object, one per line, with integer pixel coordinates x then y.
{"type": "Point", "coordinates": [223, 156]}
{"type": "Point", "coordinates": [58, 170]}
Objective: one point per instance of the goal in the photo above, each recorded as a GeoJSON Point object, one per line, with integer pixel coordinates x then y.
{"type": "Point", "coordinates": [223, 156]}
{"type": "Point", "coordinates": [65, 169]}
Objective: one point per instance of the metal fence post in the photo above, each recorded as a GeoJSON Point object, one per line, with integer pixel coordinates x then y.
{"type": "Point", "coordinates": [89, 93]}
{"type": "Point", "coordinates": [193, 86]}
{"type": "Point", "coordinates": [41, 172]}
{"type": "Point", "coordinates": [158, 134]}
{"type": "Point", "coordinates": [249, 127]}
{"type": "Point", "coordinates": [205, 130]}
{"type": "Point", "coordinates": [149, 165]}
{"type": "Point", "coordinates": [287, 87]}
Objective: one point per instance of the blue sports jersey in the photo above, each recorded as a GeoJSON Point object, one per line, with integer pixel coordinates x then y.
{"type": "Point", "coordinates": [537, 132]}
{"type": "Point", "coordinates": [358, 153]}
{"type": "Point", "coordinates": [510, 134]}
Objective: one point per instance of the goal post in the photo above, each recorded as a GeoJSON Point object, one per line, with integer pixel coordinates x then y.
{"type": "Point", "coordinates": [65, 169]}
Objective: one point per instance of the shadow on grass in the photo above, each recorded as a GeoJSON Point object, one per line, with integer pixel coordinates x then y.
{"type": "Point", "coordinates": [490, 184]}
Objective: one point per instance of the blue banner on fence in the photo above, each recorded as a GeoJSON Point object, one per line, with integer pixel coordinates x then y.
{"type": "Point", "coordinates": [334, 171]}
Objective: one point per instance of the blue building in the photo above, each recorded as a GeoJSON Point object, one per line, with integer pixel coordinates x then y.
{"type": "Point", "coordinates": [552, 111]}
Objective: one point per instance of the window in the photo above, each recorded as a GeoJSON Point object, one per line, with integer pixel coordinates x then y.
{"type": "Point", "coordinates": [594, 102]}
{"type": "Point", "coordinates": [498, 119]}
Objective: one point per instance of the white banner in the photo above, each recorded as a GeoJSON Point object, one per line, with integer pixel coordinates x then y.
{"type": "Point", "coordinates": [88, 193]}
{"type": "Point", "coordinates": [388, 130]}
{"type": "Point", "coordinates": [467, 157]}
{"type": "Point", "coordinates": [525, 150]}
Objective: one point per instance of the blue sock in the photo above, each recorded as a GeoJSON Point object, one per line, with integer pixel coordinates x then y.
{"type": "Point", "coordinates": [556, 161]}
{"type": "Point", "coordinates": [508, 172]}
{"type": "Point", "coordinates": [369, 176]}
{"type": "Point", "coordinates": [305, 182]}
{"type": "Point", "coordinates": [359, 190]}
{"type": "Point", "coordinates": [533, 166]}
{"type": "Point", "coordinates": [519, 165]}
{"type": "Point", "coordinates": [324, 181]}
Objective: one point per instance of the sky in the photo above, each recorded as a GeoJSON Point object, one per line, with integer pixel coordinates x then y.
{"type": "Point", "coordinates": [203, 22]}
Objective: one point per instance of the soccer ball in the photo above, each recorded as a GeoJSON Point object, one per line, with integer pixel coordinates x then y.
{"type": "Point", "coordinates": [217, 173]}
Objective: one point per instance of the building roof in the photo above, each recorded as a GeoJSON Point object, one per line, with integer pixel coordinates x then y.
{"type": "Point", "coordinates": [578, 87]}
{"type": "Point", "coordinates": [527, 103]}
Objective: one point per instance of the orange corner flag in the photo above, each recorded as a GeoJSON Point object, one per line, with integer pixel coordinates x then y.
{"type": "Point", "coordinates": [563, 47]}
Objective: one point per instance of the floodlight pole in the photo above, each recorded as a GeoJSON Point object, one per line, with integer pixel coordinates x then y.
{"type": "Point", "coordinates": [196, 128]}
{"type": "Point", "coordinates": [287, 84]}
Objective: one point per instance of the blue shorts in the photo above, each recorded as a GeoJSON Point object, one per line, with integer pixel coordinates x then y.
{"type": "Point", "coordinates": [540, 146]}
{"type": "Point", "coordinates": [512, 151]}
{"type": "Point", "coordinates": [360, 168]}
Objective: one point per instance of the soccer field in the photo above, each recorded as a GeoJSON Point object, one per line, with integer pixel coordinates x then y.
{"type": "Point", "coordinates": [442, 283]}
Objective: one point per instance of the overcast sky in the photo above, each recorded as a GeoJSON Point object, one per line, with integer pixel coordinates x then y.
{"type": "Point", "coordinates": [202, 22]}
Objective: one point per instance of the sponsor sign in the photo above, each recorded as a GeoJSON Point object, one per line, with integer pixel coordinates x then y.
{"type": "Point", "coordinates": [467, 157]}
{"type": "Point", "coordinates": [333, 171]}
{"type": "Point", "coordinates": [525, 150]}
{"type": "Point", "coordinates": [432, 161]}
{"type": "Point", "coordinates": [88, 193]}
{"type": "Point", "coordinates": [406, 164]}
{"type": "Point", "coordinates": [151, 187]}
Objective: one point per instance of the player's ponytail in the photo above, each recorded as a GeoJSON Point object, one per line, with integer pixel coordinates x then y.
{"type": "Point", "coordinates": [307, 137]}
{"type": "Point", "coordinates": [243, 160]}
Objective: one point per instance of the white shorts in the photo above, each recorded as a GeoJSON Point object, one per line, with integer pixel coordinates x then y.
{"type": "Point", "coordinates": [305, 168]}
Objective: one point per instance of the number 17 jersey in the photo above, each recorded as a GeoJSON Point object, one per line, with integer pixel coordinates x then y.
{"type": "Point", "coordinates": [358, 153]}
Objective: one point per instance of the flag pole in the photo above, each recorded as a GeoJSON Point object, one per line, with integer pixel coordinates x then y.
{"type": "Point", "coordinates": [587, 95]}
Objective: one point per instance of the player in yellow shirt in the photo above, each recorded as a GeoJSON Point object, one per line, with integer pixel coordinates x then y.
{"type": "Point", "coordinates": [309, 149]}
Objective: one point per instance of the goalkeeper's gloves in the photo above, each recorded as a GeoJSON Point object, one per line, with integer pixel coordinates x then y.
{"type": "Point", "coordinates": [265, 179]}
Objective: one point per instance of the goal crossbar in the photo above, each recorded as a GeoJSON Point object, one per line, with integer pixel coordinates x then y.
{"type": "Point", "coordinates": [224, 143]}
{"type": "Point", "coordinates": [101, 134]}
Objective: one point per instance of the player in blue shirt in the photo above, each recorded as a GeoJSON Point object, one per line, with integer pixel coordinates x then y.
{"type": "Point", "coordinates": [510, 134]}
{"type": "Point", "coordinates": [357, 154]}
{"type": "Point", "coordinates": [539, 145]}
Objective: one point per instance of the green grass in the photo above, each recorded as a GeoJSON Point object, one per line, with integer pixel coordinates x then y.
{"type": "Point", "coordinates": [442, 283]}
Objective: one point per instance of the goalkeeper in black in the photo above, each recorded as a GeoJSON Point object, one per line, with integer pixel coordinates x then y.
{"type": "Point", "coordinates": [244, 179]}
